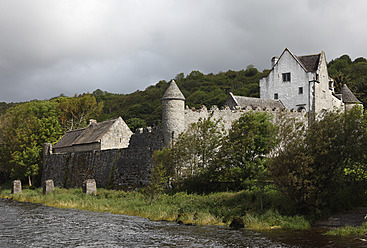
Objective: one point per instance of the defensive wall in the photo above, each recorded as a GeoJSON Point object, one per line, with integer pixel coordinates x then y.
{"type": "Point", "coordinates": [125, 168]}
{"type": "Point", "coordinates": [227, 115]}
{"type": "Point", "coordinates": [129, 168]}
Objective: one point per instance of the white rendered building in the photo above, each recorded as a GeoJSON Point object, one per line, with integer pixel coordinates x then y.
{"type": "Point", "coordinates": [301, 82]}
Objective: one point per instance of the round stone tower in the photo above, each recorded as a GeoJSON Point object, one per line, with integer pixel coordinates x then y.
{"type": "Point", "coordinates": [173, 113]}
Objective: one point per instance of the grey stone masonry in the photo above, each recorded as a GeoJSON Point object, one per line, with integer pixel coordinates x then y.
{"type": "Point", "coordinates": [16, 187]}
{"type": "Point", "coordinates": [89, 187]}
{"type": "Point", "coordinates": [173, 113]}
{"type": "Point", "coordinates": [126, 168]}
{"type": "Point", "coordinates": [48, 187]}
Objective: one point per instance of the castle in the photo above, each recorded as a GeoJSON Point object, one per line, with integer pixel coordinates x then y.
{"type": "Point", "coordinates": [110, 153]}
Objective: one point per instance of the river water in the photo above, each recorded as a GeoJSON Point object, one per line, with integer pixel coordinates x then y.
{"type": "Point", "coordinates": [35, 225]}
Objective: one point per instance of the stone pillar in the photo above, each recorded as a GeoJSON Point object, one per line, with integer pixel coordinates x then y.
{"type": "Point", "coordinates": [16, 187]}
{"type": "Point", "coordinates": [89, 187]}
{"type": "Point", "coordinates": [47, 149]}
{"type": "Point", "coordinates": [48, 187]}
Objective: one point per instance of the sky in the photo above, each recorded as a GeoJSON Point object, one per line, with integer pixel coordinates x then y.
{"type": "Point", "coordinates": [53, 47]}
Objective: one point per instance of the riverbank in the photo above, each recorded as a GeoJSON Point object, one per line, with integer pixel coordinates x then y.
{"type": "Point", "coordinates": [347, 223]}
{"type": "Point", "coordinates": [212, 209]}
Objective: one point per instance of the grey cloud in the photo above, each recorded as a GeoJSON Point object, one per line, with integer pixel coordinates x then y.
{"type": "Point", "coordinates": [74, 46]}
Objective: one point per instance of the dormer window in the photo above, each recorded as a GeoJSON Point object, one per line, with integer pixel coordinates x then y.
{"type": "Point", "coordinates": [286, 77]}
{"type": "Point", "coordinates": [276, 96]}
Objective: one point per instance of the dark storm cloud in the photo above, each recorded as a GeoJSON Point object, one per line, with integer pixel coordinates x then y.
{"type": "Point", "coordinates": [48, 47]}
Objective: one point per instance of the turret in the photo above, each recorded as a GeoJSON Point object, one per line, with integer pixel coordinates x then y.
{"type": "Point", "coordinates": [173, 113]}
{"type": "Point", "coordinates": [349, 99]}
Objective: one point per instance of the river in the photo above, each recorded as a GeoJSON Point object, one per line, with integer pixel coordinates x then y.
{"type": "Point", "coordinates": [35, 225]}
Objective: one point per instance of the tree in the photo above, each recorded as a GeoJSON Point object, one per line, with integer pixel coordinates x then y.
{"type": "Point", "coordinates": [24, 129]}
{"type": "Point", "coordinates": [76, 111]}
{"type": "Point", "coordinates": [340, 80]}
{"type": "Point", "coordinates": [244, 152]}
{"type": "Point", "coordinates": [344, 71]}
{"type": "Point", "coordinates": [189, 160]}
{"type": "Point", "coordinates": [135, 123]}
{"type": "Point", "coordinates": [288, 165]}
{"type": "Point", "coordinates": [196, 149]}
{"type": "Point", "coordinates": [154, 189]}
{"type": "Point", "coordinates": [324, 167]}
{"type": "Point", "coordinates": [205, 155]}
{"type": "Point", "coordinates": [251, 71]}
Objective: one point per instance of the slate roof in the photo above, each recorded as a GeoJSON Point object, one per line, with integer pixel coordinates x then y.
{"type": "Point", "coordinates": [173, 92]}
{"type": "Point", "coordinates": [244, 101]}
{"type": "Point", "coordinates": [91, 134]}
{"type": "Point", "coordinates": [310, 62]}
{"type": "Point", "coordinates": [348, 96]}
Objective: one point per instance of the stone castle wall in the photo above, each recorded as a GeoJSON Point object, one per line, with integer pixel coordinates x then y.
{"type": "Point", "coordinates": [129, 168]}
{"type": "Point", "coordinates": [124, 168]}
{"type": "Point", "coordinates": [227, 115]}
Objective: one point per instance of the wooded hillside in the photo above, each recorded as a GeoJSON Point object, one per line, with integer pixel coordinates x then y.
{"type": "Point", "coordinates": [143, 108]}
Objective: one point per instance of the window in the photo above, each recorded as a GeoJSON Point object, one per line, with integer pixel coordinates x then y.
{"type": "Point", "coordinates": [276, 96]}
{"type": "Point", "coordinates": [300, 90]}
{"type": "Point", "coordinates": [286, 77]}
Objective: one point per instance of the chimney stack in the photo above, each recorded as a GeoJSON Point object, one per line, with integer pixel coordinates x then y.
{"type": "Point", "coordinates": [274, 60]}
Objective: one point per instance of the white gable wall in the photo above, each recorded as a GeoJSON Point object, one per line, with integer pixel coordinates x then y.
{"type": "Point", "coordinates": [317, 94]}
{"type": "Point", "coordinates": [288, 92]}
{"type": "Point", "coordinates": [324, 98]}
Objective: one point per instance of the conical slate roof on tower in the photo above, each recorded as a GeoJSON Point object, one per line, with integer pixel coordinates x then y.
{"type": "Point", "coordinates": [348, 96]}
{"type": "Point", "coordinates": [173, 92]}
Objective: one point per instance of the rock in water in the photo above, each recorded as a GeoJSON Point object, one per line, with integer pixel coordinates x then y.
{"type": "Point", "coordinates": [237, 223]}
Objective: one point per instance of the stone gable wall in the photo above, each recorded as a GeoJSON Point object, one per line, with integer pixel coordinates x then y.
{"type": "Point", "coordinates": [117, 136]}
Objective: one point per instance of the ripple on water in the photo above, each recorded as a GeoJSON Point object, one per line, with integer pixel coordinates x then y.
{"type": "Point", "coordinates": [35, 225]}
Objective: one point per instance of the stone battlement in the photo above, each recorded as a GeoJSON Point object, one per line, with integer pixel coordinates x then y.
{"type": "Point", "coordinates": [228, 115]}
{"type": "Point", "coordinates": [146, 129]}
{"type": "Point", "coordinates": [244, 109]}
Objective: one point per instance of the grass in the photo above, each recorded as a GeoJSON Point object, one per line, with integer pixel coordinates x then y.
{"type": "Point", "coordinates": [212, 209]}
{"type": "Point", "coordinates": [349, 230]}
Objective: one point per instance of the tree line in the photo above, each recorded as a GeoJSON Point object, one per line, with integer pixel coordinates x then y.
{"type": "Point", "coordinates": [27, 126]}
{"type": "Point", "coordinates": [321, 168]}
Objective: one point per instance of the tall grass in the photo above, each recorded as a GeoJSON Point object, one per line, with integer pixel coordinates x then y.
{"type": "Point", "coordinates": [349, 230]}
{"type": "Point", "coordinates": [213, 209]}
